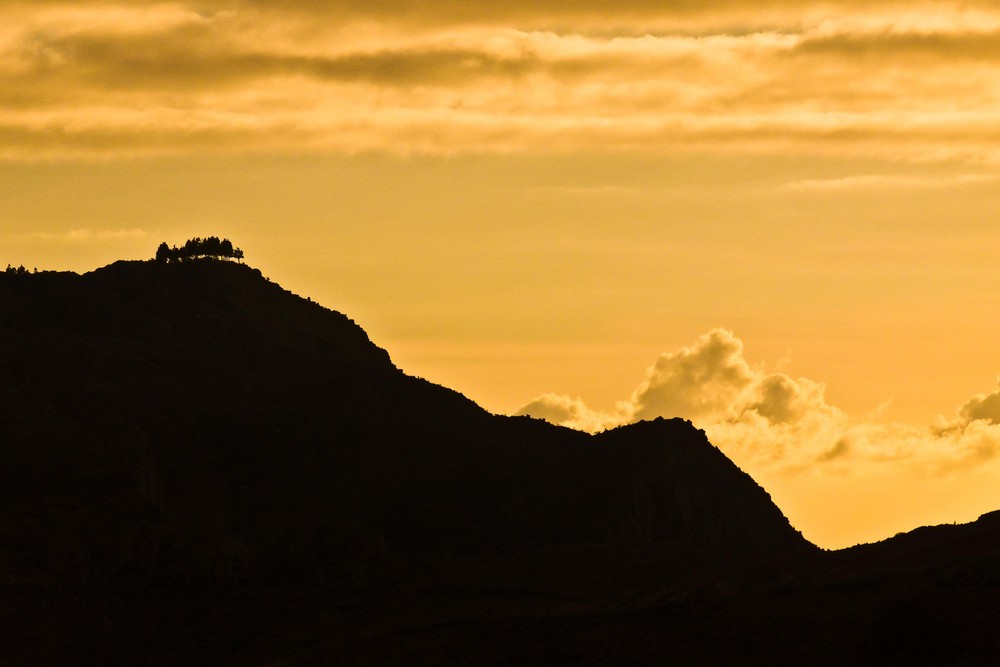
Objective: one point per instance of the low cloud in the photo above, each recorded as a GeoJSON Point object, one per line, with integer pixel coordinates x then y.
{"type": "Point", "coordinates": [772, 419]}
{"type": "Point", "coordinates": [887, 182]}
{"type": "Point", "coordinates": [567, 411]}
{"type": "Point", "coordinates": [985, 407]}
{"type": "Point", "coordinates": [840, 479]}
{"type": "Point", "coordinates": [708, 381]}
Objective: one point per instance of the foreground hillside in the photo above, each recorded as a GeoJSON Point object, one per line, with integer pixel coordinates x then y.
{"type": "Point", "coordinates": [199, 466]}
{"type": "Point", "coordinates": [196, 420]}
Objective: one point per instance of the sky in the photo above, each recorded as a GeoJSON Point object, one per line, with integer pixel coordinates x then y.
{"type": "Point", "coordinates": [776, 219]}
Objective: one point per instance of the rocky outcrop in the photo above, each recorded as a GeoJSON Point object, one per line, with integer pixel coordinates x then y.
{"type": "Point", "coordinates": [679, 486]}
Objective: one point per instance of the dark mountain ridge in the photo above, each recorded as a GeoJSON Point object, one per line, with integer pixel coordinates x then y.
{"type": "Point", "coordinates": [197, 417]}
{"type": "Point", "coordinates": [199, 467]}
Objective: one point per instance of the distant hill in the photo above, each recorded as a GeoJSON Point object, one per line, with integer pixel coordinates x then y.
{"type": "Point", "coordinates": [195, 419]}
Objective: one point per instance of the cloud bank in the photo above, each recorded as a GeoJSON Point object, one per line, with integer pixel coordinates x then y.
{"type": "Point", "coordinates": [772, 418]}
{"type": "Point", "coordinates": [823, 462]}
{"type": "Point", "coordinates": [154, 77]}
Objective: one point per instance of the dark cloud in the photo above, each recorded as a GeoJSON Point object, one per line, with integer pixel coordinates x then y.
{"type": "Point", "coordinates": [943, 47]}
{"type": "Point", "coordinates": [782, 400]}
{"type": "Point", "coordinates": [489, 10]}
{"type": "Point", "coordinates": [555, 11]}
{"type": "Point", "coordinates": [982, 406]}
{"type": "Point", "coordinates": [839, 450]}
{"type": "Point", "coordinates": [419, 66]}
{"type": "Point", "coordinates": [191, 58]}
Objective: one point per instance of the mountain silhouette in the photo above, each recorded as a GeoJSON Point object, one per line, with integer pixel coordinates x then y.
{"type": "Point", "coordinates": [199, 466]}
{"type": "Point", "coordinates": [199, 419]}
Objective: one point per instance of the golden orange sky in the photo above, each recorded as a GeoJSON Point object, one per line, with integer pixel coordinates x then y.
{"type": "Point", "coordinates": [778, 219]}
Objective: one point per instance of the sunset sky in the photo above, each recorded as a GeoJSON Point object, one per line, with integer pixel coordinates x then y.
{"type": "Point", "coordinates": [778, 219]}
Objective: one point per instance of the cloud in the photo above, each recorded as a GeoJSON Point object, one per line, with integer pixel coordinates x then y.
{"type": "Point", "coordinates": [782, 400]}
{"type": "Point", "coordinates": [591, 12]}
{"type": "Point", "coordinates": [712, 384]}
{"type": "Point", "coordinates": [985, 407]}
{"type": "Point", "coordinates": [86, 235]}
{"type": "Point", "coordinates": [567, 411]}
{"type": "Point", "coordinates": [193, 58]}
{"type": "Point", "coordinates": [707, 381]}
{"type": "Point", "coordinates": [772, 421]}
{"type": "Point", "coordinates": [970, 43]}
{"type": "Point", "coordinates": [887, 182]}
{"type": "Point", "coordinates": [840, 479]}
{"type": "Point", "coordinates": [483, 76]}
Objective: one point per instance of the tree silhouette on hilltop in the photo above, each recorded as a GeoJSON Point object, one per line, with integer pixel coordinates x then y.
{"type": "Point", "coordinates": [210, 246]}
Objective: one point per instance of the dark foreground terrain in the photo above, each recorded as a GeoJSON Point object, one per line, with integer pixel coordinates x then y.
{"type": "Point", "coordinates": [197, 467]}
{"type": "Point", "coordinates": [929, 598]}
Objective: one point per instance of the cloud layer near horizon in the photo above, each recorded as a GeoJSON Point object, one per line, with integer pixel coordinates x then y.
{"type": "Point", "coordinates": [771, 421]}
{"type": "Point", "coordinates": [152, 77]}
{"type": "Point", "coordinates": [840, 479]}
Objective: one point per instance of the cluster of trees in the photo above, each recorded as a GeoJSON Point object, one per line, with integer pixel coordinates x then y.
{"type": "Point", "coordinates": [18, 271]}
{"type": "Point", "coordinates": [211, 246]}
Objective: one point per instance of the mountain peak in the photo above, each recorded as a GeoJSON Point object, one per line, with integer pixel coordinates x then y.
{"type": "Point", "coordinates": [687, 486]}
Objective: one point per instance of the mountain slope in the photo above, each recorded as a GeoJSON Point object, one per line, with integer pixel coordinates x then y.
{"type": "Point", "coordinates": [197, 467]}
{"type": "Point", "coordinates": [197, 420]}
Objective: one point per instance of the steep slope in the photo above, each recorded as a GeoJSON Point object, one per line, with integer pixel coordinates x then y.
{"type": "Point", "coordinates": [193, 421]}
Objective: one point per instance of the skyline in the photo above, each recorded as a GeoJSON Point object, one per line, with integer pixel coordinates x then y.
{"type": "Point", "coordinates": [525, 201]}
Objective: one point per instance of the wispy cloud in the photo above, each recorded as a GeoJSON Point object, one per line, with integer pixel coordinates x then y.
{"type": "Point", "coordinates": [888, 182]}
{"type": "Point", "coordinates": [86, 235]}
